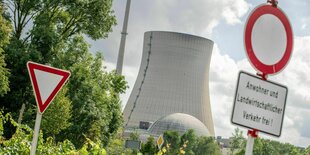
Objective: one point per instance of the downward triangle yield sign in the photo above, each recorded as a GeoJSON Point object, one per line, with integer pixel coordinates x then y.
{"type": "Point", "coordinates": [46, 82]}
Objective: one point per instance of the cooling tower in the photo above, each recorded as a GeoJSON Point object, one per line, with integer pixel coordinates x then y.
{"type": "Point", "coordinates": [173, 78]}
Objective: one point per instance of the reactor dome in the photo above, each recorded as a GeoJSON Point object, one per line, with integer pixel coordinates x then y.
{"type": "Point", "coordinates": [179, 122]}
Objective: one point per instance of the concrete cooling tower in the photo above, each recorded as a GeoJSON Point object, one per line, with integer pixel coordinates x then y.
{"type": "Point", "coordinates": [173, 78]}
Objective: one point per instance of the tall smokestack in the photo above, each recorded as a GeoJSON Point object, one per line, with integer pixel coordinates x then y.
{"type": "Point", "coordinates": [120, 59]}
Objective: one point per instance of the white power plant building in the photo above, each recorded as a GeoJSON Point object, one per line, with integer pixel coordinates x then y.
{"type": "Point", "coordinates": [173, 78]}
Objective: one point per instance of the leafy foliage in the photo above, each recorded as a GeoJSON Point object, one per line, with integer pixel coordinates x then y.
{"type": "Point", "coordinates": [96, 106]}
{"type": "Point", "coordinates": [307, 150]}
{"type": "Point", "coordinates": [53, 24]}
{"type": "Point", "coordinates": [268, 147]}
{"type": "Point", "coordinates": [188, 143]}
{"type": "Point", "coordinates": [56, 117]}
{"type": "Point", "coordinates": [172, 140]}
{"type": "Point", "coordinates": [116, 146]}
{"type": "Point", "coordinates": [237, 140]}
{"type": "Point", "coordinates": [149, 147]}
{"type": "Point", "coordinates": [5, 29]}
{"type": "Point", "coordinates": [207, 146]}
{"type": "Point", "coordinates": [52, 32]}
{"type": "Point", "coordinates": [20, 143]}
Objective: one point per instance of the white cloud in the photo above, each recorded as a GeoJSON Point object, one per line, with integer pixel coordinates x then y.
{"type": "Point", "coordinates": [304, 26]}
{"type": "Point", "coordinates": [304, 23]}
{"type": "Point", "coordinates": [223, 78]}
{"type": "Point", "coordinates": [223, 73]}
{"type": "Point", "coordinates": [297, 78]}
{"type": "Point", "coordinates": [130, 76]}
{"type": "Point", "coordinates": [197, 17]}
{"type": "Point", "coordinates": [234, 10]}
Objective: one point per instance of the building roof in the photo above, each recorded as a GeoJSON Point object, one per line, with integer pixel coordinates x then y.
{"type": "Point", "coordinates": [179, 122]}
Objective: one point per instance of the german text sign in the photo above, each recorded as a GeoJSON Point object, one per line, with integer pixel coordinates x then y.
{"type": "Point", "coordinates": [259, 104]}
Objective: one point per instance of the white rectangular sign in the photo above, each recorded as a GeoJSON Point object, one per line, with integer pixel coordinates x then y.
{"type": "Point", "coordinates": [259, 104]}
{"type": "Point", "coordinates": [133, 144]}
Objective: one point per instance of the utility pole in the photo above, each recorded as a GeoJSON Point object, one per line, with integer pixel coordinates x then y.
{"type": "Point", "coordinates": [120, 58]}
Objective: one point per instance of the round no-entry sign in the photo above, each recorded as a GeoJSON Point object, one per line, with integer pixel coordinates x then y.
{"type": "Point", "coordinates": [268, 39]}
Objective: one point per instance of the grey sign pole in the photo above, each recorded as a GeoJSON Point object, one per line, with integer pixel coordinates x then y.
{"type": "Point", "coordinates": [36, 133]}
{"type": "Point", "coordinates": [249, 145]}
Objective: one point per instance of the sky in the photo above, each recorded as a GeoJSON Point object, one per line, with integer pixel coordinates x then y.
{"type": "Point", "coordinates": [223, 22]}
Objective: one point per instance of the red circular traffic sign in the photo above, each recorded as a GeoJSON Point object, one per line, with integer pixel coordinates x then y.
{"type": "Point", "coordinates": [268, 39]}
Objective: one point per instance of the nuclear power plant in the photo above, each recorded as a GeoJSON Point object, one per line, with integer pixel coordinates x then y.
{"type": "Point", "coordinates": [173, 81]}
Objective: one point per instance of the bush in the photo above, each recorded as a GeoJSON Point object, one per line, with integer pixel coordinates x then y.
{"type": "Point", "coordinates": [20, 142]}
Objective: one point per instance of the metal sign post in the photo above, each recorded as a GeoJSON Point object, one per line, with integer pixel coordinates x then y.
{"type": "Point", "coordinates": [36, 133]}
{"type": "Point", "coordinates": [252, 134]}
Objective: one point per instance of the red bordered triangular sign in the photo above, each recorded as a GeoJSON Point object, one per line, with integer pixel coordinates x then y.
{"type": "Point", "coordinates": [46, 82]}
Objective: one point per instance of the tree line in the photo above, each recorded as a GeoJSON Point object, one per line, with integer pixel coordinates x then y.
{"type": "Point", "coordinates": [174, 143]}
{"type": "Point", "coordinates": [264, 146]}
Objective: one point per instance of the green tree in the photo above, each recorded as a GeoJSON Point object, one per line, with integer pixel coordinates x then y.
{"type": "Point", "coordinates": [188, 143]}
{"type": "Point", "coordinates": [5, 29]}
{"type": "Point", "coordinates": [150, 147]}
{"type": "Point", "coordinates": [271, 147]}
{"type": "Point", "coordinates": [307, 151]}
{"type": "Point", "coordinates": [20, 142]}
{"type": "Point", "coordinates": [53, 24]}
{"type": "Point", "coordinates": [295, 151]}
{"type": "Point", "coordinates": [188, 140]}
{"type": "Point", "coordinates": [94, 93]}
{"type": "Point", "coordinates": [206, 146]}
{"type": "Point", "coordinates": [134, 135]}
{"type": "Point", "coordinates": [116, 147]}
{"type": "Point", "coordinates": [173, 140]}
{"type": "Point", "coordinates": [56, 117]}
{"type": "Point", "coordinates": [55, 36]}
{"type": "Point", "coordinates": [237, 141]}
{"type": "Point", "coordinates": [262, 147]}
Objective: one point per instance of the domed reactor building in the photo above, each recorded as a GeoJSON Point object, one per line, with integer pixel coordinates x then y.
{"type": "Point", "coordinates": [173, 78]}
